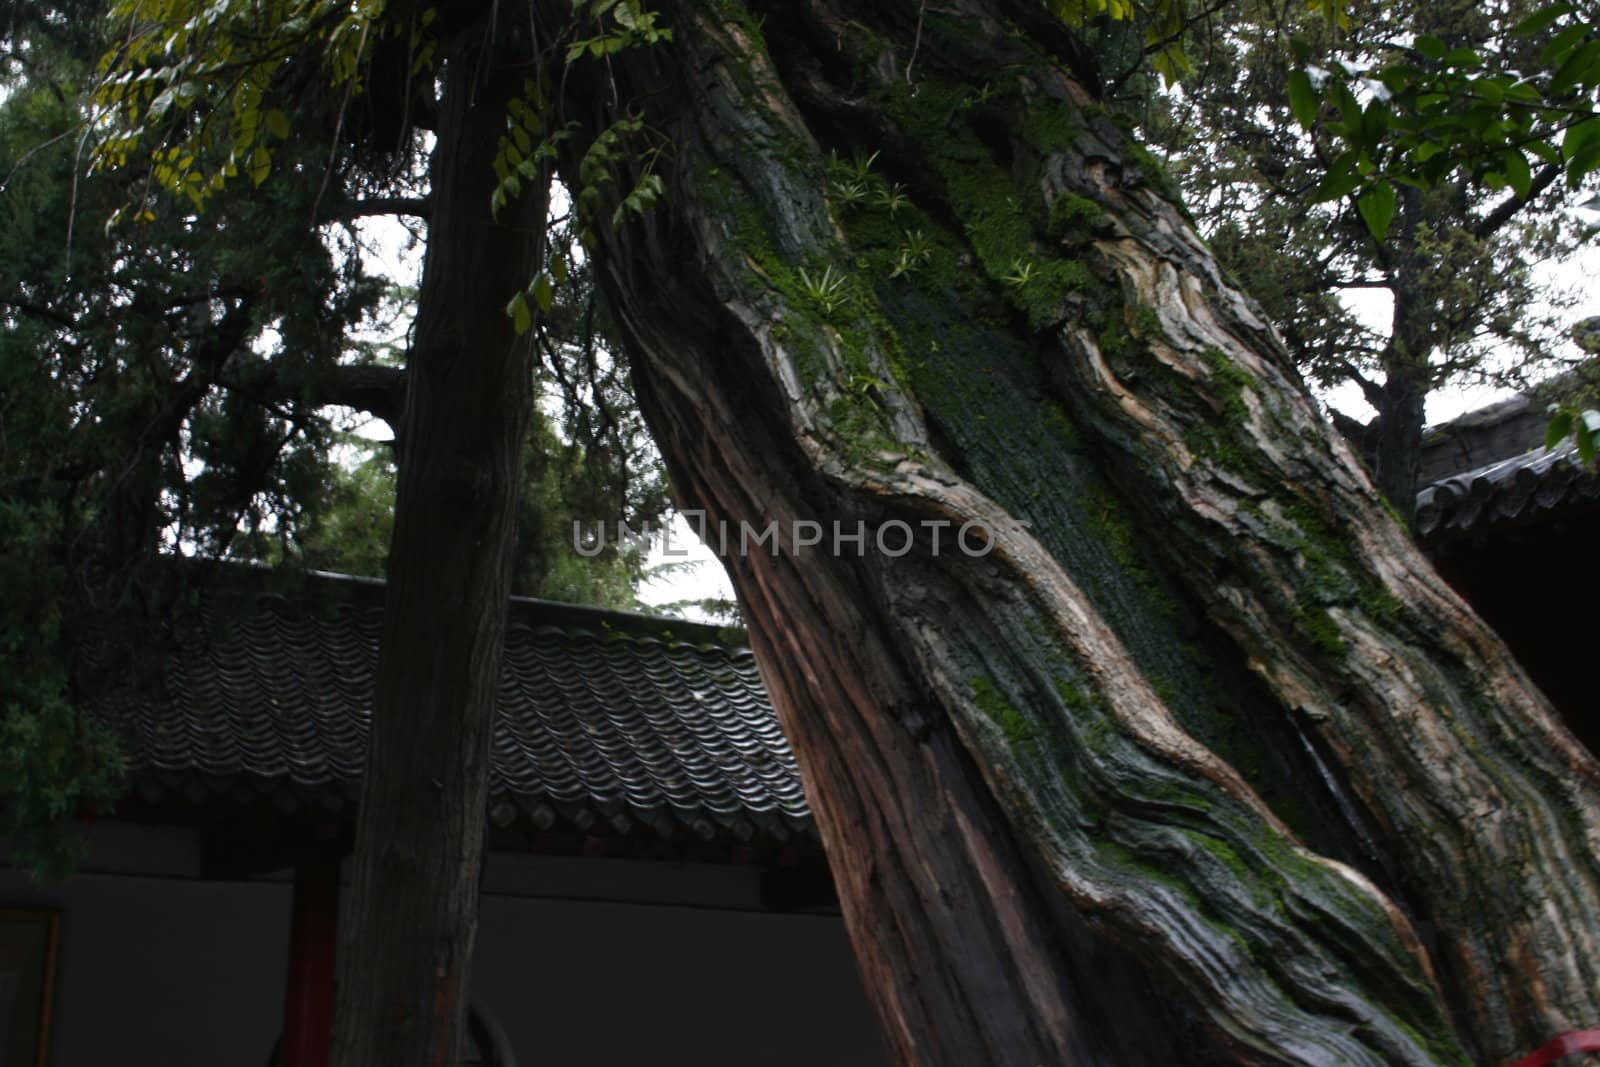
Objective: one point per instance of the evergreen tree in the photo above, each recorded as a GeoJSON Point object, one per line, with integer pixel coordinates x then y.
{"type": "Point", "coordinates": [157, 385]}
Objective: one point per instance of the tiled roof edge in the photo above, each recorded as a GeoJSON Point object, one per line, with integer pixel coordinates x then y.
{"type": "Point", "coordinates": [1515, 488]}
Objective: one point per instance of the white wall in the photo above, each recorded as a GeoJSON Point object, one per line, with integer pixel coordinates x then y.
{"type": "Point", "coordinates": [161, 968]}
{"type": "Point", "coordinates": [576, 985]}
{"type": "Point", "coordinates": [163, 971]}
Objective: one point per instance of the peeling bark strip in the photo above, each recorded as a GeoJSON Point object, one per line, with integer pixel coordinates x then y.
{"type": "Point", "coordinates": [1067, 784]}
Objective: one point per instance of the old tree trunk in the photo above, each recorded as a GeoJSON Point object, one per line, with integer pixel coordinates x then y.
{"type": "Point", "coordinates": [1201, 762]}
{"type": "Point", "coordinates": [406, 956]}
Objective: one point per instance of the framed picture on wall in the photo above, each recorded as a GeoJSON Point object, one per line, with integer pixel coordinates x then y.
{"type": "Point", "coordinates": [27, 983]}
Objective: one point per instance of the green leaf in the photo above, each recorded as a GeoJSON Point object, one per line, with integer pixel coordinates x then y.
{"type": "Point", "coordinates": [1541, 19]}
{"type": "Point", "coordinates": [277, 123]}
{"type": "Point", "coordinates": [1432, 103]}
{"type": "Point", "coordinates": [1491, 89]}
{"type": "Point", "coordinates": [1579, 166]}
{"type": "Point", "coordinates": [1374, 121]}
{"type": "Point", "coordinates": [260, 164]}
{"type": "Point", "coordinates": [1562, 44]}
{"type": "Point", "coordinates": [1523, 93]}
{"type": "Point", "coordinates": [1517, 172]}
{"type": "Point", "coordinates": [521, 315]}
{"type": "Point", "coordinates": [1546, 152]}
{"type": "Point", "coordinates": [1560, 426]}
{"type": "Point", "coordinates": [1581, 148]}
{"type": "Point", "coordinates": [1172, 64]}
{"type": "Point", "coordinates": [1340, 180]}
{"type": "Point", "coordinates": [1429, 46]}
{"type": "Point", "coordinates": [1349, 106]}
{"type": "Point", "coordinates": [1376, 206]}
{"type": "Point", "coordinates": [1400, 77]}
{"type": "Point", "coordinates": [544, 292]}
{"type": "Point", "coordinates": [1582, 67]}
{"type": "Point", "coordinates": [1302, 98]}
{"type": "Point", "coordinates": [1581, 134]}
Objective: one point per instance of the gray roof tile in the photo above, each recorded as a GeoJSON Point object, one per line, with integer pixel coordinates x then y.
{"type": "Point", "coordinates": [604, 717]}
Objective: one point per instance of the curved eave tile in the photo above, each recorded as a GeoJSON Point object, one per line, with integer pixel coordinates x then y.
{"type": "Point", "coordinates": [1513, 489]}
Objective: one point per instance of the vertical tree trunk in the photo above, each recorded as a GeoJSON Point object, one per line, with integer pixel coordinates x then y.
{"type": "Point", "coordinates": [908, 274]}
{"type": "Point", "coordinates": [406, 960]}
{"type": "Point", "coordinates": [1397, 448]}
{"type": "Point", "coordinates": [1407, 373]}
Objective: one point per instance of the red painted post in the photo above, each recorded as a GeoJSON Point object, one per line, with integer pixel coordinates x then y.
{"type": "Point", "coordinates": [1568, 1044]}
{"type": "Point", "coordinates": [313, 941]}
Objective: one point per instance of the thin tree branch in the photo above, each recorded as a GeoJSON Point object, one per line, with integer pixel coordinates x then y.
{"type": "Point", "coordinates": [378, 391]}
{"type": "Point", "coordinates": [1157, 45]}
{"type": "Point", "coordinates": [1371, 390]}
{"type": "Point", "coordinates": [1503, 214]}
{"type": "Point", "coordinates": [417, 206]}
{"type": "Point", "coordinates": [38, 311]}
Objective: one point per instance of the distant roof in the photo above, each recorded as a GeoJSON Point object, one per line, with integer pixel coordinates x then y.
{"type": "Point", "coordinates": [607, 720]}
{"type": "Point", "coordinates": [1490, 466]}
{"type": "Point", "coordinates": [1519, 488]}
{"type": "Point", "coordinates": [1482, 437]}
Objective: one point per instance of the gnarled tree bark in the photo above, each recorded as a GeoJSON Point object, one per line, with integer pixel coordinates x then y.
{"type": "Point", "coordinates": [1201, 738]}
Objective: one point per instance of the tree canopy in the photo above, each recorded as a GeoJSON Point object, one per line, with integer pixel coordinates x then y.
{"type": "Point", "coordinates": [1419, 153]}
{"type": "Point", "coordinates": [183, 383]}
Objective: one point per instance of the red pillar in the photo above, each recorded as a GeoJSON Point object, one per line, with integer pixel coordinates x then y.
{"type": "Point", "coordinates": [313, 942]}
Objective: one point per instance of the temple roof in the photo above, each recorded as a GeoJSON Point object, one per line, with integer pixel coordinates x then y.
{"type": "Point", "coordinates": [1517, 488]}
{"type": "Point", "coordinates": [1490, 466]}
{"type": "Point", "coordinates": [607, 720]}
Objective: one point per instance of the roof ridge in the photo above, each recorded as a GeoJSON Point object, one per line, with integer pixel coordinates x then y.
{"type": "Point", "coordinates": [248, 576]}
